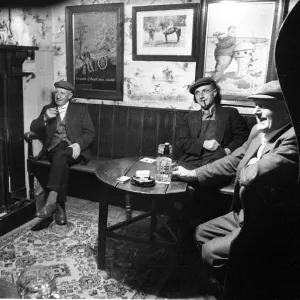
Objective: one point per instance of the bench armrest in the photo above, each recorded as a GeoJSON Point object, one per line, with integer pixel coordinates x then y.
{"type": "Point", "coordinates": [30, 135]}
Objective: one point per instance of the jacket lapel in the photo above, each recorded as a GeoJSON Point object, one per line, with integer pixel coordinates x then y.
{"type": "Point", "coordinates": [221, 122]}
{"type": "Point", "coordinates": [68, 116]}
{"type": "Point", "coordinates": [251, 151]}
{"type": "Point", "coordinates": [270, 144]}
{"type": "Point", "coordinates": [196, 123]}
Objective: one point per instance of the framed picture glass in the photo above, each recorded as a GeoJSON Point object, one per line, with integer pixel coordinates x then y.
{"type": "Point", "coordinates": [236, 46]}
{"type": "Point", "coordinates": [95, 46]}
{"type": "Point", "coordinates": [164, 32]}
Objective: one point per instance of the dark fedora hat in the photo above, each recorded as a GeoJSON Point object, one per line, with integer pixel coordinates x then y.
{"type": "Point", "coordinates": [65, 85]}
{"type": "Point", "coordinates": [269, 91]}
{"type": "Point", "coordinates": [201, 81]}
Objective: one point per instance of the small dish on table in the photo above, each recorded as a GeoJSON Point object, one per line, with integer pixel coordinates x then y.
{"type": "Point", "coordinates": [142, 181]}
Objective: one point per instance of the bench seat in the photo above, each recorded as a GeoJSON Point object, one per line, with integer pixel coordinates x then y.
{"type": "Point", "coordinates": [90, 167]}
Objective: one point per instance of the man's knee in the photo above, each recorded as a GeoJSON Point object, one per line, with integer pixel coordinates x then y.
{"type": "Point", "coordinates": [209, 253]}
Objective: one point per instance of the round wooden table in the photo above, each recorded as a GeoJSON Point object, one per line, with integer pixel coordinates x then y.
{"type": "Point", "coordinates": [108, 171]}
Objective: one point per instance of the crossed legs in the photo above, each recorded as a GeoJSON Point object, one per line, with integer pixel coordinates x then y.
{"type": "Point", "coordinates": [61, 160]}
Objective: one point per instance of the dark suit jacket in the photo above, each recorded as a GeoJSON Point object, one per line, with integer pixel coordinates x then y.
{"type": "Point", "coordinates": [79, 127]}
{"type": "Point", "coordinates": [265, 205]}
{"type": "Point", "coordinates": [231, 131]}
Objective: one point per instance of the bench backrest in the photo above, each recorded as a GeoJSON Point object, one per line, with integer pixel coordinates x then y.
{"type": "Point", "coordinates": [132, 131]}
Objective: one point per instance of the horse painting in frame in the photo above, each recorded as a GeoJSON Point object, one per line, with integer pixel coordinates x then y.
{"type": "Point", "coordinates": [157, 27]}
{"type": "Point", "coordinates": [167, 31]}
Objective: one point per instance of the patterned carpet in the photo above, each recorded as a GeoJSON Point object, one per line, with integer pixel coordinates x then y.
{"type": "Point", "coordinates": [132, 270]}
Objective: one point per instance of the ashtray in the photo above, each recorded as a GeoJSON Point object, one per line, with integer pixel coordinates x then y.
{"type": "Point", "coordinates": [142, 181]}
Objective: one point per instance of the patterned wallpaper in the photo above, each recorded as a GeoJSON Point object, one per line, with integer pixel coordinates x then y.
{"type": "Point", "coordinates": [161, 84]}
{"type": "Point", "coordinates": [146, 83]}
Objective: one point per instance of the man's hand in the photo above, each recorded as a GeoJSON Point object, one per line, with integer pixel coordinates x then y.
{"type": "Point", "coordinates": [227, 150]}
{"type": "Point", "coordinates": [184, 174]}
{"type": "Point", "coordinates": [76, 150]}
{"type": "Point", "coordinates": [211, 145]}
{"type": "Point", "coordinates": [50, 113]}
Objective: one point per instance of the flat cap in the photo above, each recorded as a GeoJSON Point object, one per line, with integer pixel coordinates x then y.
{"type": "Point", "coordinates": [269, 91]}
{"type": "Point", "coordinates": [65, 85]}
{"type": "Point", "coordinates": [201, 81]}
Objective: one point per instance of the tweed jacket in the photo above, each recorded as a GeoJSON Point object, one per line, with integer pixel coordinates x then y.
{"type": "Point", "coordinates": [231, 132]}
{"type": "Point", "coordinates": [79, 128]}
{"type": "Point", "coordinates": [269, 184]}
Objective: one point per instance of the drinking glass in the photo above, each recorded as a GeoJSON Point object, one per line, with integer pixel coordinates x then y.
{"type": "Point", "coordinates": [37, 282]}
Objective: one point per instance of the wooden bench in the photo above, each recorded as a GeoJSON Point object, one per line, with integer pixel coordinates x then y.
{"type": "Point", "coordinates": [89, 168]}
{"type": "Point", "coordinates": [127, 132]}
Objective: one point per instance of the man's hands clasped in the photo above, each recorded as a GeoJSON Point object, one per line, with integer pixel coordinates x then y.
{"type": "Point", "coordinates": [211, 145]}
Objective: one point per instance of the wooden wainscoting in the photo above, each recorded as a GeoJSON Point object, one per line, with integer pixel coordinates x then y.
{"type": "Point", "coordinates": [133, 131]}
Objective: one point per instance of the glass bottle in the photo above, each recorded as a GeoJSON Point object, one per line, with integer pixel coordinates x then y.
{"type": "Point", "coordinates": [164, 165]}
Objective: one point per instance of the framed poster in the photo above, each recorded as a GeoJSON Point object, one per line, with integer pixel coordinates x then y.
{"type": "Point", "coordinates": [164, 32]}
{"type": "Point", "coordinates": [236, 46]}
{"type": "Point", "coordinates": [95, 46]}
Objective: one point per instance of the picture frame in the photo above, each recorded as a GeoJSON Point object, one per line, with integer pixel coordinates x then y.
{"type": "Point", "coordinates": [164, 32]}
{"type": "Point", "coordinates": [239, 39]}
{"type": "Point", "coordinates": [95, 50]}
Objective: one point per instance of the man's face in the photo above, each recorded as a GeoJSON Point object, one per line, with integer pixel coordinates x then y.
{"type": "Point", "coordinates": [62, 96]}
{"type": "Point", "coordinates": [205, 96]}
{"type": "Point", "coordinates": [270, 115]}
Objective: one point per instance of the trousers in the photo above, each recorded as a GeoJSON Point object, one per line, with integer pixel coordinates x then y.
{"type": "Point", "coordinates": [61, 159]}
{"type": "Point", "coordinates": [214, 239]}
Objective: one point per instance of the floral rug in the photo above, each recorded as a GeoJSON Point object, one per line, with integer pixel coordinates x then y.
{"type": "Point", "coordinates": [132, 270]}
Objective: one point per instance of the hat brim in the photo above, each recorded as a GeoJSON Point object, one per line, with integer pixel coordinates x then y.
{"type": "Point", "coordinates": [195, 86]}
{"type": "Point", "coordinates": [267, 97]}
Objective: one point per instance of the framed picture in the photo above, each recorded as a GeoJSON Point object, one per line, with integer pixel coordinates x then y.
{"type": "Point", "coordinates": [164, 32]}
{"type": "Point", "coordinates": [95, 46]}
{"type": "Point", "coordinates": [236, 46]}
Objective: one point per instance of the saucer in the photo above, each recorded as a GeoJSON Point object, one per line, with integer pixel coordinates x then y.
{"type": "Point", "coordinates": [142, 181]}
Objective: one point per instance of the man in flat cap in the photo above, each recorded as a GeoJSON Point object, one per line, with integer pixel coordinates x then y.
{"type": "Point", "coordinates": [212, 132]}
{"type": "Point", "coordinates": [266, 170]}
{"type": "Point", "coordinates": [206, 135]}
{"type": "Point", "coordinates": [67, 132]}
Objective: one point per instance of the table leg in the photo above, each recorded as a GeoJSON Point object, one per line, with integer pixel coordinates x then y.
{"type": "Point", "coordinates": [128, 207]}
{"type": "Point", "coordinates": [153, 225]}
{"type": "Point", "coordinates": [102, 225]}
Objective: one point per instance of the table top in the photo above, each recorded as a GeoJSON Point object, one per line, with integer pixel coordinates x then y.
{"type": "Point", "coordinates": [108, 171]}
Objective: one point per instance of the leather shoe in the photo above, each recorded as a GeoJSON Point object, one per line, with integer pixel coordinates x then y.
{"type": "Point", "coordinates": [60, 214]}
{"type": "Point", "coordinates": [46, 211]}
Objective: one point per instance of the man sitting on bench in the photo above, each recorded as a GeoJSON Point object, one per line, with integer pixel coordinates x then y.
{"type": "Point", "coordinates": [266, 167]}
{"type": "Point", "coordinates": [67, 132]}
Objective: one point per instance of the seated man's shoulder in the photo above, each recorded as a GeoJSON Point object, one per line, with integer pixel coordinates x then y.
{"type": "Point", "coordinates": [228, 109]}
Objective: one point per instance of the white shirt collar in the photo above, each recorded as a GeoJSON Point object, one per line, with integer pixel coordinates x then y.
{"type": "Point", "coordinates": [63, 107]}
{"type": "Point", "coordinates": [211, 111]}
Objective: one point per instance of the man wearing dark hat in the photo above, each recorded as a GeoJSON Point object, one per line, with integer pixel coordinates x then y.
{"type": "Point", "coordinates": [212, 132]}
{"type": "Point", "coordinates": [67, 132]}
{"type": "Point", "coordinates": [266, 171]}
{"type": "Point", "coordinates": [204, 136]}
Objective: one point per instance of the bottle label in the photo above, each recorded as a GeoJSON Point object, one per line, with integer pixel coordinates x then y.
{"type": "Point", "coordinates": [163, 169]}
